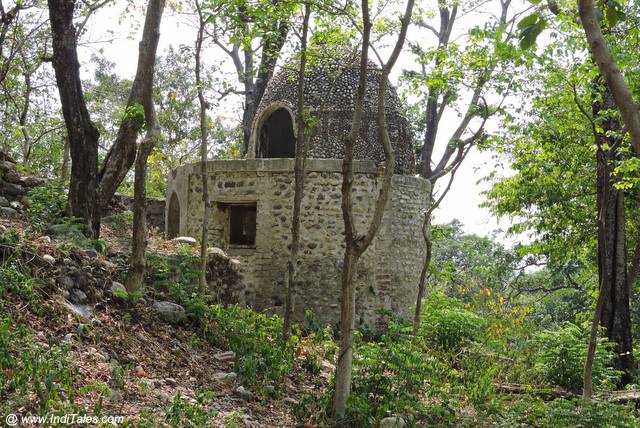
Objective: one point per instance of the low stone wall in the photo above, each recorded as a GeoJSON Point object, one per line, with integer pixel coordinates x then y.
{"type": "Point", "coordinates": [14, 185]}
{"type": "Point", "coordinates": [388, 271]}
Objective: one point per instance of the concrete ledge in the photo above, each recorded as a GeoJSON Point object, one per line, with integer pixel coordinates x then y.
{"type": "Point", "coordinates": [278, 165]}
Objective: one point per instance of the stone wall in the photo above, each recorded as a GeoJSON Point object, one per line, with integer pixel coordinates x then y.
{"type": "Point", "coordinates": [388, 271]}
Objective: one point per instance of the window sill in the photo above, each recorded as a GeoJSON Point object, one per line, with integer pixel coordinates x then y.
{"type": "Point", "coordinates": [241, 249]}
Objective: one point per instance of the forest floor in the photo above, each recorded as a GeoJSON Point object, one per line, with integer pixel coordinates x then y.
{"type": "Point", "coordinates": [145, 362]}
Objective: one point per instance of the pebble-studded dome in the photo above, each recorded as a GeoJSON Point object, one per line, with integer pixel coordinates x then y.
{"type": "Point", "coordinates": [329, 97]}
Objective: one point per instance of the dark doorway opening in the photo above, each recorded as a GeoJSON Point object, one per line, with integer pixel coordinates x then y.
{"type": "Point", "coordinates": [173, 220]}
{"type": "Point", "coordinates": [276, 138]}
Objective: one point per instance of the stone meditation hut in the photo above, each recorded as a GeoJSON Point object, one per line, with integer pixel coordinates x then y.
{"type": "Point", "coordinates": [252, 201]}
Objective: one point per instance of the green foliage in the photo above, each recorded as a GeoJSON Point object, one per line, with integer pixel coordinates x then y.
{"type": "Point", "coordinates": [561, 357]}
{"type": "Point", "coordinates": [254, 337]}
{"type": "Point", "coordinates": [448, 325]}
{"type": "Point", "coordinates": [28, 370]}
{"type": "Point", "coordinates": [46, 203]}
{"type": "Point", "coordinates": [530, 28]}
{"type": "Point", "coordinates": [535, 413]}
{"type": "Point", "coordinates": [182, 413]}
{"type": "Point", "coordinates": [135, 115]}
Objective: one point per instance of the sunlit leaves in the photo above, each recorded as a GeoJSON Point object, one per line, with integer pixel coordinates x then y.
{"type": "Point", "coordinates": [530, 28]}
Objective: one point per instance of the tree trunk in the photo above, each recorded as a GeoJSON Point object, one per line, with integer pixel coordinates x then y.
{"type": "Point", "coordinates": [299, 173]}
{"type": "Point", "coordinates": [609, 70]}
{"type": "Point", "coordinates": [202, 277]}
{"type": "Point", "coordinates": [122, 154]}
{"type": "Point", "coordinates": [424, 273]}
{"type": "Point", "coordinates": [64, 172]}
{"type": "Point", "coordinates": [356, 244]}
{"type": "Point", "coordinates": [612, 308]}
{"type": "Point", "coordinates": [82, 134]}
{"type": "Point", "coordinates": [615, 316]}
{"type": "Point", "coordinates": [135, 276]}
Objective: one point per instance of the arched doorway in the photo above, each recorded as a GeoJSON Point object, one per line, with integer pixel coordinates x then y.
{"type": "Point", "coordinates": [173, 218]}
{"type": "Point", "coordinates": [276, 138]}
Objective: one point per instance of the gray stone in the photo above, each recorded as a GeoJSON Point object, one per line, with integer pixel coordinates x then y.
{"type": "Point", "coordinates": [11, 189]}
{"type": "Point", "coordinates": [31, 181]}
{"type": "Point", "coordinates": [49, 259]}
{"type": "Point", "coordinates": [4, 202]}
{"type": "Point", "coordinates": [16, 206]}
{"type": "Point", "coordinates": [115, 286]}
{"type": "Point", "coordinates": [185, 240]}
{"type": "Point", "coordinates": [244, 393]}
{"type": "Point", "coordinates": [91, 253]}
{"type": "Point", "coordinates": [171, 382]}
{"type": "Point", "coordinates": [7, 212]}
{"type": "Point", "coordinates": [115, 396]}
{"type": "Point", "coordinates": [392, 422]}
{"type": "Point", "coordinates": [225, 356]}
{"type": "Point", "coordinates": [68, 338]}
{"type": "Point", "coordinates": [224, 377]}
{"type": "Point", "coordinates": [66, 231]}
{"type": "Point", "coordinates": [169, 312]}
{"type": "Point", "coordinates": [77, 296]}
{"type": "Point", "coordinates": [65, 282]}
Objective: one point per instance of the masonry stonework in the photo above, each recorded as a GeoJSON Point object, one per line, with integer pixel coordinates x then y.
{"type": "Point", "coordinates": [388, 271]}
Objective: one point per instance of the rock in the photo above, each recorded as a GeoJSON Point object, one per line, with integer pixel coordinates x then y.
{"type": "Point", "coordinates": [68, 338]}
{"type": "Point", "coordinates": [12, 176]}
{"type": "Point", "coordinates": [116, 286]}
{"type": "Point", "coordinates": [11, 189]}
{"type": "Point", "coordinates": [31, 181]}
{"type": "Point", "coordinates": [185, 240]}
{"type": "Point", "coordinates": [171, 382]}
{"type": "Point", "coordinates": [244, 393]}
{"type": "Point", "coordinates": [65, 282]}
{"type": "Point", "coordinates": [83, 311]}
{"type": "Point", "coordinates": [115, 396]}
{"type": "Point", "coordinates": [224, 377]}
{"type": "Point", "coordinates": [392, 422]}
{"type": "Point", "coordinates": [290, 400]}
{"type": "Point", "coordinates": [7, 212]}
{"type": "Point", "coordinates": [16, 206]}
{"type": "Point", "coordinates": [225, 356]}
{"type": "Point", "coordinates": [217, 251]}
{"type": "Point", "coordinates": [77, 296]}
{"type": "Point", "coordinates": [68, 231]}
{"type": "Point", "coordinates": [4, 202]}
{"type": "Point", "coordinates": [169, 312]}
{"type": "Point", "coordinates": [91, 253]}
{"type": "Point", "coordinates": [49, 259]}
{"type": "Point", "coordinates": [6, 165]}
{"type": "Point", "coordinates": [103, 355]}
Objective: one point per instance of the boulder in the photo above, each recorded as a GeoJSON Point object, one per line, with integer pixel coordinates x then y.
{"type": "Point", "coordinates": [7, 212]}
{"type": "Point", "coordinates": [185, 240]}
{"type": "Point", "coordinates": [11, 189]}
{"type": "Point", "coordinates": [115, 286]}
{"type": "Point", "coordinates": [244, 393]}
{"type": "Point", "coordinates": [77, 296]}
{"type": "Point", "coordinates": [4, 202]}
{"type": "Point", "coordinates": [169, 312]}
{"type": "Point", "coordinates": [392, 422]}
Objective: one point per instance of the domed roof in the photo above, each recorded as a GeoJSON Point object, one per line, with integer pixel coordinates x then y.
{"type": "Point", "coordinates": [329, 97]}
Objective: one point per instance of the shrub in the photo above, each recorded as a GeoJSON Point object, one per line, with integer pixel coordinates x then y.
{"type": "Point", "coordinates": [535, 413]}
{"type": "Point", "coordinates": [46, 203]}
{"type": "Point", "coordinates": [447, 324]}
{"type": "Point", "coordinates": [561, 356]}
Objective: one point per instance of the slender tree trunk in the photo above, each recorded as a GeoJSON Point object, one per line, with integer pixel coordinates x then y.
{"type": "Point", "coordinates": [424, 273]}
{"type": "Point", "coordinates": [64, 173]}
{"type": "Point", "coordinates": [299, 173]}
{"type": "Point", "coordinates": [135, 276]}
{"type": "Point", "coordinates": [203, 156]}
{"type": "Point", "coordinates": [356, 244]}
{"type": "Point", "coordinates": [82, 134]}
